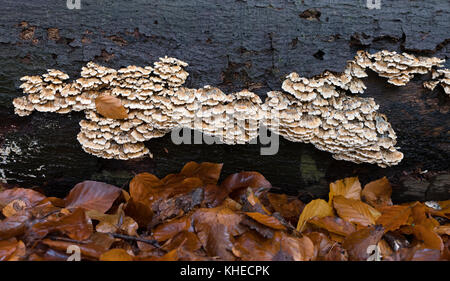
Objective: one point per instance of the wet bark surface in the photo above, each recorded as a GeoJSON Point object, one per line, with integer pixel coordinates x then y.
{"type": "Point", "coordinates": [234, 45]}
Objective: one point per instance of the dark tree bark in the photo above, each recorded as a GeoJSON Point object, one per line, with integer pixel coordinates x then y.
{"type": "Point", "coordinates": [232, 44]}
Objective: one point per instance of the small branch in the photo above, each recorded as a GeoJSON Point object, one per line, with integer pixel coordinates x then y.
{"type": "Point", "coordinates": [56, 238]}
{"type": "Point", "coordinates": [133, 238]}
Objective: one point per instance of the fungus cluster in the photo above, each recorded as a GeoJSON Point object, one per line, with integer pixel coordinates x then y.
{"type": "Point", "coordinates": [126, 107]}
{"type": "Point", "coordinates": [439, 77]}
{"type": "Point", "coordinates": [398, 68]}
{"type": "Point", "coordinates": [318, 111]}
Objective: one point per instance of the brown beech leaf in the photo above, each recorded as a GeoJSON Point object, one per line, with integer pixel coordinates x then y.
{"type": "Point", "coordinates": [266, 220]}
{"type": "Point", "coordinates": [116, 255]}
{"type": "Point", "coordinates": [289, 207]}
{"type": "Point", "coordinates": [392, 217]}
{"type": "Point", "coordinates": [14, 225]}
{"type": "Point", "coordinates": [184, 239]}
{"type": "Point", "coordinates": [90, 250]}
{"type": "Point", "coordinates": [92, 195]}
{"type": "Point", "coordinates": [421, 217]}
{"type": "Point", "coordinates": [378, 193]}
{"type": "Point", "coordinates": [13, 207]}
{"type": "Point", "coordinates": [110, 107]}
{"type": "Point", "coordinates": [11, 249]}
{"type": "Point", "coordinates": [208, 172]}
{"type": "Point", "coordinates": [28, 196]}
{"type": "Point", "coordinates": [334, 225]}
{"type": "Point", "coordinates": [215, 228]}
{"type": "Point", "coordinates": [322, 244]}
{"type": "Point", "coordinates": [420, 253]}
{"type": "Point", "coordinates": [355, 211]}
{"type": "Point", "coordinates": [172, 227]}
{"type": "Point", "coordinates": [316, 208]}
{"type": "Point", "coordinates": [252, 247]}
{"type": "Point", "coordinates": [300, 249]}
{"type": "Point", "coordinates": [76, 225]}
{"type": "Point", "coordinates": [442, 229]}
{"type": "Point", "coordinates": [348, 187]}
{"type": "Point", "coordinates": [140, 212]}
{"type": "Point", "coordinates": [237, 183]}
{"type": "Point", "coordinates": [142, 185]}
{"type": "Point", "coordinates": [430, 239]}
{"type": "Point", "coordinates": [357, 244]}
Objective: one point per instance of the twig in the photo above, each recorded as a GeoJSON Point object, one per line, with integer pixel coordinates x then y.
{"type": "Point", "coordinates": [56, 238]}
{"type": "Point", "coordinates": [127, 237]}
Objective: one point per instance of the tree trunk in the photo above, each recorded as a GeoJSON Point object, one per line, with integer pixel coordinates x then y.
{"type": "Point", "coordinates": [231, 44]}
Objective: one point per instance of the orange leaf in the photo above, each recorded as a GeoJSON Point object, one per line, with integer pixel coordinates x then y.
{"type": "Point", "coordinates": [208, 172]}
{"type": "Point", "coordinates": [348, 187]}
{"type": "Point", "coordinates": [169, 229]}
{"type": "Point", "coordinates": [110, 107]}
{"type": "Point", "coordinates": [334, 225]}
{"type": "Point", "coordinates": [116, 255]}
{"type": "Point", "coordinates": [442, 229]}
{"type": "Point", "coordinates": [316, 208]}
{"type": "Point", "coordinates": [358, 243]}
{"type": "Point", "coordinates": [76, 225]}
{"type": "Point", "coordinates": [92, 195]}
{"type": "Point", "coordinates": [429, 237]}
{"type": "Point", "coordinates": [392, 217]}
{"type": "Point", "coordinates": [355, 211]}
{"type": "Point", "coordinates": [378, 193]}
{"type": "Point", "coordinates": [266, 220]}
{"type": "Point", "coordinates": [28, 196]}
{"type": "Point", "coordinates": [141, 186]}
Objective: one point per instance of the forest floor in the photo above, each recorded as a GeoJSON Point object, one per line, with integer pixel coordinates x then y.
{"type": "Point", "coordinates": [190, 216]}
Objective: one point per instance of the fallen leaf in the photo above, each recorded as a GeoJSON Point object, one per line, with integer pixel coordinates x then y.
{"type": "Point", "coordinates": [215, 228]}
{"type": "Point", "coordinates": [172, 227]}
{"type": "Point", "coordinates": [266, 220]}
{"type": "Point", "coordinates": [239, 182]}
{"type": "Point", "coordinates": [442, 229]}
{"type": "Point", "coordinates": [378, 193]}
{"type": "Point", "coordinates": [110, 107]}
{"type": "Point", "coordinates": [116, 255]}
{"type": "Point", "coordinates": [289, 207]}
{"type": "Point", "coordinates": [11, 249]}
{"type": "Point", "coordinates": [357, 244]}
{"type": "Point", "coordinates": [355, 211]}
{"type": "Point", "coordinates": [15, 225]}
{"type": "Point", "coordinates": [28, 196]}
{"type": "Point", "coordinates": [348, 187]}
{"type": "Point", "coordinates": [430, 239]}
{"type": "Point", "coordinates": [208, 172]}
{"type": "Point", "coordinates": [76, 225]}
{"type": "Point", "coordinates": [92, 195]}
{"type": "Point", "coordinates": [13, 207]}
{"type": "Point", "coordinates": [392, 217]}
{"type": "Point", "coordinates": [334, 225]}
{"type": "Point", "coordinates": [316, 208]}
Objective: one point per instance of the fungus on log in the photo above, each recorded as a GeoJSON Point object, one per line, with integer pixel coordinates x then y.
{"type": "Point", "coordinates": [439, 77]}
{"type": "Point", "coordinates": [131, 105]}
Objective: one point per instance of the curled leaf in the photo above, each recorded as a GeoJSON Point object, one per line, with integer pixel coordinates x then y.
{"type": "Point", "coordinates": [355, 211]}
{"type": "Point", "coordinates": [348, 187]}
{"type": "Point", "coordinates": [378, 193]}
{"type": "Point", "coordinates": [316, 208]}
{"type": "Point", "coordinates": [110, 107]}
{"type": "Point", "coordinates": [92, 195]}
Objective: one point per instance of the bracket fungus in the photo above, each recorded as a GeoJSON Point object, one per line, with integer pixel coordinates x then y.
{"type": "Point", "coordinates": [439, 77]}
{"type": "Point", "coordinates": [126, 107]}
